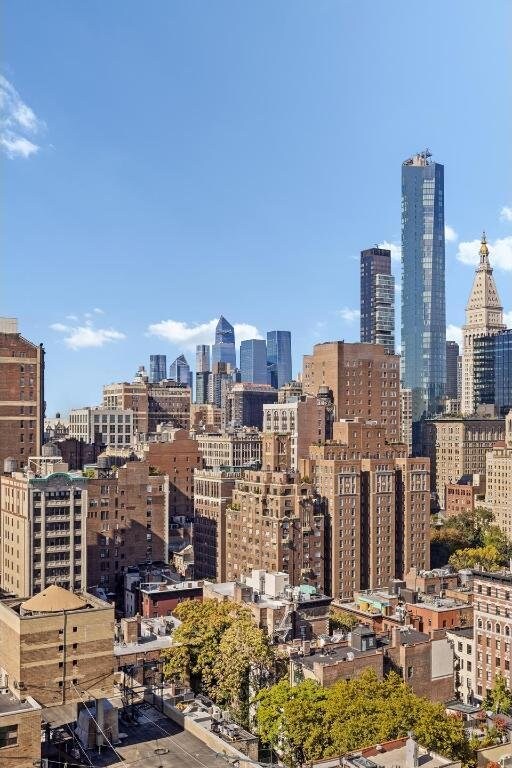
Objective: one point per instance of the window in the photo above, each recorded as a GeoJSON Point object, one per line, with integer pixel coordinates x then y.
{"type": "Point", "coordinates": [8, 736]}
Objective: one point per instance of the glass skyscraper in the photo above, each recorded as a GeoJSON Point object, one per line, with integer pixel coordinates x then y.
{"type": "Point", "coordinates": [157, 368]}
{"type": "Point", "coordinates": [224, 350]}
{"type": "Point", "coordinates": [279, 357]}
{"type": "Point", "coordinates": [202, 358]}
{"type": "Point", "coordinates": [253, 361]}
{"type": "Point", "coordinates": [423, 284]}
{"type": "Point", "coordinates": [180, 371]}
{"type": "Point", "coordinates": [492, 371]}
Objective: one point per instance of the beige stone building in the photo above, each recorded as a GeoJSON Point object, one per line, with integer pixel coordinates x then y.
{"type": "Point", "coordinates": [42, 526]}
{"type": "Point", "coordinates": [56, 644]}
{"type": "Point", "coordinates": [231, 449]}
{"type": "Point", "coordinates": [498, 470]}
{"type": "Point", "coordinates": [303, 419]}
{"type": "Point", "coordinates": [457, 446]}
{"type": "Point", "coordinates": [275, 523]}
{"type": "Point", "coordinates": [21, 394]}
{"type": "Point", "coordinates": [364, 379]}
{"type": "Point", "coordinates": [484, 317]}
{"type": "Point", "coordinates": [377, 504]}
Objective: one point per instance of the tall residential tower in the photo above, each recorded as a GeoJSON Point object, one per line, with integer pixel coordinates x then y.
{"type": "Point", "coordinates": [423, 365]}
{"type": "Point", "coordinates": [377, 298]}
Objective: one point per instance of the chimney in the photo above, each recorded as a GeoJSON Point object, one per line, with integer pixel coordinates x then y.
{"type": "Point", "coordinates": [411, 752]}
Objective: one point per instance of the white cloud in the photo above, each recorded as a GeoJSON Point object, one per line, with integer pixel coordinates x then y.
{"type": "Point", "coordinates": [396, 250]}
{"type": "Point", "coordinates": [349, 315]}
{"type": "Point", "coordinates": [98, 311]}
{"type": "Point", "coordinates": [500, 253]}
{"type": "Point", "coordinates": [17, 120]}
{"type": "Point", "coordinates": [507, 319]}
{"type": "Point", "coordinates": [506, 213]}
{"type": "Point", "coordinates": [187, 335]}
{"type": "Point", "coordinates": [85, 335]}
{"type": "Point", "coordinates": [454, 333]}
{"type": "Point", "coordinates": [450, 235]}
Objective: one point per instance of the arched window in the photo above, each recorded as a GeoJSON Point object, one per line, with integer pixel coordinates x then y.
{"type": "Point", "coordinates": [479, 623]}
{"type": "Point", "coordinates": [498, 629]}
{"type": "Point", "coordinates": [507, 631]}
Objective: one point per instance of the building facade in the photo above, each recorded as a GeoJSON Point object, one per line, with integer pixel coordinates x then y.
{"type": "Point", "coordinates": [457, 446]}
{"type": "Point", "coordinates": [279, 357]}
{"type": "Point", "coordinates": [303, 419]}
{"type": "Point", "coordinates": [452, 370]}
{"type": "Point", "coordinates": [212, 495]}
{"type": "Point", "coordinates": [275, 522]}
{"type": "Point", "coordinates": [21, 394]}
{"type": "Point", "coordinates": [493, 628]}
{"type": "Point", "coordinates": [57, 644]}
{"type": "Point", "coordinates": [484, 317]}
{"type": "Point", "coordinates": [179, 371]}
{"type": "Point", "coordinates": [202, 358]}
{"type": "Point", "coordinates": [114, 427]}
{"type": "Point", "coordinates": [235, 449]}
{"type": "Point", "coordinates": [253, 361]}
{"type": "Point", "coordinates": [245, 402]}
{"type": "Point", "coordinates": [127, 522]}
{"type": "Point", "coordinates": [498, 470]}
{"type": "Point", "coordinates": [157, 368]}
{"type": "Point", "coordinates": [377, 506]}
{"type": "Point", "coordinates": [423, 283]}
{"type": "Point", "coordinates": [42, 520]}
{"type": "Point", "coordinates": [224, 350]}
{"type": "Point", "coordinates": [492, 371]}
{"type": "Point", "coordinates": [377, 298]}
{"type": "Point", "coordinates": [364, 379]}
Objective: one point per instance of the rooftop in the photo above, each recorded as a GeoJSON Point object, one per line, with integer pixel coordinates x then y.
{"type": "Point", "coordinates": [10, 705]}
{"type": "Point", "coordinates": [53, 599]}
{"type": "Point", "coordinates": [153, 588]}
{"type": "Point", "coordinates": [466, 632]}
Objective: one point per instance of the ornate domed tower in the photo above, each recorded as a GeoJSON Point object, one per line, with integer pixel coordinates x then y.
{"type": "Point", "coordinates": [484, 317]}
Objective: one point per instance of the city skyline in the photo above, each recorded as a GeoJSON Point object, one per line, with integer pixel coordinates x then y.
{"type": "Point", "coordinates": [180, 199]}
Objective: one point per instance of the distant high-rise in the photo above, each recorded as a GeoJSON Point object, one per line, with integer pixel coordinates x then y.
{"type": "Point", "coordinates": [224, 350]}
{"type": "Point", "coordinates": [452, 365]}
{"type": "Point", "coordinates": [157, 368]}
{"type": "Point", "coordinates": [202, 358]}
{"type": "Point", "coordinates": [377, 298]}
{"type": "Point", "coordinates": [423, 365]}
{"type": "Point", "coordinates": [253, 361]}
{"type": "Point", "coordinates": [484, 317]}
{"type": "Point", "coordinates": [180, 371]}
{"type": "Point", "coordinates": [279, 357]}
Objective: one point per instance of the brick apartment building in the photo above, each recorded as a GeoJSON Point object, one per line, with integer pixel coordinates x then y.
{"type": "Point", "coordinates": [127, 521]}
{"type": "Point", "coordinates": [21, 394]}
{"type": "Point", "coordinates": [276, 523]}
{"type": "Point", "coordinates": [163, 402]}
{"type": "Point", "coordinates": [303, 419]}
{"type": "Point", "coordinates": [364, 379]}
{"type": "Point", "coordinates": [177, 457]}
{"type": "Point", "coordinates": [377, 506]}
{"type": "Point", "coordinates": [212, 495]}
{"type": "Point", "coordinates": [493, 629]}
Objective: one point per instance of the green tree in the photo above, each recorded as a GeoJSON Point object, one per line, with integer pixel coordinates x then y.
{"type": "Point", "coordinates": [488, 557]}
{"type": "Point", "coordinates": [499, 698]}
{"type": "Point", "coordinates": [353, 714]}
{"type": "Point", "coordinates": [341, 620]}
{"type": "Point", "coordinates": [292, 721]}
{"type": "Point", "coordinates": [215, 648]}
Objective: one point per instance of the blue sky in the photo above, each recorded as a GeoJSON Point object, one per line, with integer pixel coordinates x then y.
{"type": "Point", "coordinates": [165, 162]}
